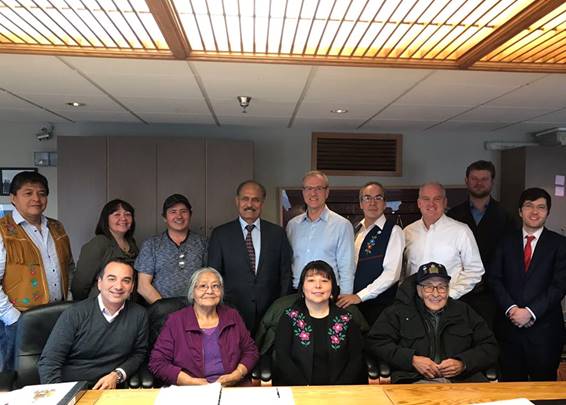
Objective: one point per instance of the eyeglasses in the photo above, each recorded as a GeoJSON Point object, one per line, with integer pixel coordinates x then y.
{"type": "Point", "coordinates": [370, 198]}
{"type": "Point", "coordinates": [205, 287]}
{"type": "Point", "coordinates": [429, 288]}
{"type": "Point", "coordinates": [318, 189]}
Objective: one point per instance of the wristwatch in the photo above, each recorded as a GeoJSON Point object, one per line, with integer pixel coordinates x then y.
{"type": "Point", "coordinates": [121, 376]}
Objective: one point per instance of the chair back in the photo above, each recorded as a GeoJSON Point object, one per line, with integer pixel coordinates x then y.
{"type": "Point", "coordinates": [157, 315]}
{"type": "Point", "coordinates": [34, 327]}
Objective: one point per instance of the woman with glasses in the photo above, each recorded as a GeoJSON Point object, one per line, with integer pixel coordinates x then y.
{"type": "Point", "coordinates": [317, 343]}
{"type": "Point", "coordinates": [114, 239]}
{"type": "Point", "coordinates": [206, 341]}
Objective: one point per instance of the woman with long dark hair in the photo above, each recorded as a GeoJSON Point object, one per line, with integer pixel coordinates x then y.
{"type": "Point", "coordinates": [114, 239]}
{"type": "Point", "coordinates": [317, 343]}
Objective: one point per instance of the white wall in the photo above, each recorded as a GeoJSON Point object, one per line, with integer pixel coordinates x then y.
{"type": "Point", "coordinates": [281, 155]}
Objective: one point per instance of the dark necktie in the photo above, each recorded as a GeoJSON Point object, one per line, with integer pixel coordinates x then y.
{"type": "Point", "coordinates": [250, 246]}
{"type": "Point", "coordinates": [528, 252]}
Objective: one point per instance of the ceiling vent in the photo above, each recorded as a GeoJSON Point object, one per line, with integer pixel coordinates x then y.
{"type": "Point", "coordinates": [351, 154]}
{"type": "Point", "coordinates": [551, 137]}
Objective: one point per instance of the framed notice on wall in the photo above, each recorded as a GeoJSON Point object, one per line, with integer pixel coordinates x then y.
{"type": "Point", "coordinates": [8, 173]}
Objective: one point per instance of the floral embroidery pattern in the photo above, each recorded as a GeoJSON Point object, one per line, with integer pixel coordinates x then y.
{"type": "Point", "coordinates": [337, 330]}
{"type": "Point", "coordinates": [371, 243]}
{"type": "Point", "coordinates": [301, 328]}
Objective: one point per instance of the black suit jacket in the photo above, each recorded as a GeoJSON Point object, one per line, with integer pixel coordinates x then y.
{"type": "Point", "coordinates": [251, 293]}
{"type": "Point", "coordinates": [541, 288]}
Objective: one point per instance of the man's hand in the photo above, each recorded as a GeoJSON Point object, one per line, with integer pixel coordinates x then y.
{"type": "Point", "coordinates": [346, 300]}
{"type": "Point", "coordinates": [450, 367]}
{"type": "Point", "coordinates": [519, 316]}
{"type": "Point", "coordinates": [426, 367]}
{"type": "Point", "coordinates": [107, 382]}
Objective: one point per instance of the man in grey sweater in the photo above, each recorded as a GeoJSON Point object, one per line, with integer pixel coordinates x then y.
{"type": "Point", "coordinates": [103, 339]}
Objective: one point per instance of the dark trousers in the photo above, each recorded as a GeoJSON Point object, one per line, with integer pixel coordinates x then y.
{"type": "Point", "coordinates": [371, 310]}
{"type": "Point", "coordinates": [483, 303]}
{"type": "Point", "coordinates": [7, 341]}
{"type": "Point", "coordinates": [521, 360]}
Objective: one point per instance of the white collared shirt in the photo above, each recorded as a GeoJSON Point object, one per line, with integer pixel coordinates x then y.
{"type": "Point", "coordinates": [256, 237]}
{"type": "Point", "coordinates": [534, 242]}
{"type": "Point", "coordinates": [392, 261]}
{"type": "Point", "coordinates": [46, 246]}
{"type": "Point", "coordinates": [448, 242]}
{"type": "Point", "coordinates": [106, 313]}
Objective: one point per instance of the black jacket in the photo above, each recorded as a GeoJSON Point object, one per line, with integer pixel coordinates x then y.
{"type": "Point", "coordinates": [400, 333]}
{"type": "Point", "coordinates": [293, 358]}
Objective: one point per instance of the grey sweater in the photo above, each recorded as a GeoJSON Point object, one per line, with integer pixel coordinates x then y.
{"type": "Point", "coordinates": [84, 346]}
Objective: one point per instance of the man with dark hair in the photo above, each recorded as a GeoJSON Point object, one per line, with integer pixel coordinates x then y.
{"type": "Point", "coordinates": [379, 245]}
{"type": "Point", "coordinates": [35, 258]}
{"type": "Point", "coordinates": [489, 223]}
{"type": "Point", "coordinates": [528, 279]}
{"type": "Point", "coordinates": [102, 339]}
{"type": "Point", "coordinates": [253, 256]}
{"type": "Point", "coordinates": [426, 336]}
{"type": "Point", "coordinates": [167, 261]}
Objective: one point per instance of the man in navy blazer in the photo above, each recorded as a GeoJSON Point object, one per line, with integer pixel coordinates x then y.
{"type": "Point", "coordinates": [528, 278]}
{"type": "Point", "coordinates": [253, 256]}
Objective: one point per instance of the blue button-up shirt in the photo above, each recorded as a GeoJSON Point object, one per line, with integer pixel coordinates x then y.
{"type": "Point", "coordinates": [329, 238]}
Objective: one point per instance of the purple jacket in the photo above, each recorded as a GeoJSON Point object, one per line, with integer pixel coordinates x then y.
{"type": "Point", "coordinates": [179, 345]}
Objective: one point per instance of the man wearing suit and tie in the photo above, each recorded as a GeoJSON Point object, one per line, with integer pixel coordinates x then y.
{"type": "Point", "coordinates": [528, 278]}
{"type": "Point", "coordinates": [253, 256]}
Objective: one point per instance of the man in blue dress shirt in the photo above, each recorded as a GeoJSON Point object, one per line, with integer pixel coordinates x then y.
{"type": "Point", "coordinates": [322, 234]}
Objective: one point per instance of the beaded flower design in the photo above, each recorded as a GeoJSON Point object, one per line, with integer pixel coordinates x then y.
{"type": "Point", "coordinates": [371, 243]}
{"type": "Point", "coordinates": [301, 328]}
{"type": "Point", "coordinates": [337, 330]}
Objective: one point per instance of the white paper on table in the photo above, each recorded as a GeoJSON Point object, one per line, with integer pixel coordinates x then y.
{"type": "Point", "coordinates": [196, 394]}
{"type": "Point", "coordinates": [517, 401]}
{"type": "Point", "coordinates": [257, 396]}
{"type": "Point", "coordinates": [45, 394]}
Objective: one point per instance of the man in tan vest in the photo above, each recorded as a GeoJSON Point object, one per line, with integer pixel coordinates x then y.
{"type": "Point", "coordinates": [35, 258]}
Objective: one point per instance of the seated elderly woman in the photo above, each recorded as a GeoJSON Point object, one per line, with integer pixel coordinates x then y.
{"type": "Point", "coordinates": [205, 342]}
{"type": "Point", "coordinates": [317, 343]}
{"type": "Point", "coordinates": [426, 336]}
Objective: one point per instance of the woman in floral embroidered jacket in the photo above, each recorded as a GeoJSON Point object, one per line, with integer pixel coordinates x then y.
{"type": "Point", "coordinates": [317, 343]}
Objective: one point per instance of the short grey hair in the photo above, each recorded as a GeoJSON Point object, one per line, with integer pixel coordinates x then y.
{"type": "Point", "coordinates": [370, 183]}
{"type": "Point", "coordinates": [433, 183]}
{"type": "Point", "coordinates": [313, 173]}
{"type": "Point", "coordinates": [194, 280]}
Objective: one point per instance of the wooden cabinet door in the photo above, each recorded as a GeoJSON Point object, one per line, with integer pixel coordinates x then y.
{"type": "Point", "coordinates": [181, 169]}
{"type": "Point", "coordinates": [81, 188]}
{"type": "Point", "coordinates": [228, 163]}
{"type": "Point", "coordinates": [132, 176]}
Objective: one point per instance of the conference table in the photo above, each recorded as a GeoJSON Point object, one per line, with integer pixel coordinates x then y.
{"type": "Point", "coordinates": [386, 394]}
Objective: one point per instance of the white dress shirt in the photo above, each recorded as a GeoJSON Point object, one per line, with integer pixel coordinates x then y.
{"type": "Point", "coordinates": [392, 261]}
{"type": "Point", "coordinates": [448, 242]}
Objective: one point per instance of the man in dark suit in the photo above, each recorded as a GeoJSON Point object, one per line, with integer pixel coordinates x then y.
{"type": "Point", "coordinates": [528, 278]}
{"type": "Point", "coordinates": [253, 256]}
{"type": "Point", "coordinates": [489, 223]}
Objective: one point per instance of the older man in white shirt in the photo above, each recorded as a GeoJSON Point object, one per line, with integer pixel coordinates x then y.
{"type": "Point", "coordinates": [438, 238]}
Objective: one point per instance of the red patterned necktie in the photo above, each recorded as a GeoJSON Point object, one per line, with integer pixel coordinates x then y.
{"type": "Point", "coordinates": [250, 246]}
{"type": "Point", "coordinates": [528, 252]}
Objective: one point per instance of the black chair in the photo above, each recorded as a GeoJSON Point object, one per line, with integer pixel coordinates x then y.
{"type": "Point", "coordinates": [157, 314]}
{"type": "Point", "coordinates": [34, 327]}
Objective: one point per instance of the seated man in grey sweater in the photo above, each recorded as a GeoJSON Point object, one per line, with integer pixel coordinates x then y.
{"type": "Point", "coordinates": [102, 339]}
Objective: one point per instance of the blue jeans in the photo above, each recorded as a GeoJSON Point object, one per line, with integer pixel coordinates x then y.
{"type": "Point", "coordinates": [7, 341]}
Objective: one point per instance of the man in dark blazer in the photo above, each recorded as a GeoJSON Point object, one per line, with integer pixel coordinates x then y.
{"type": "Point", "coordinates": [253, 256]}
{"type": "Point", "coordinates": [528, 278]}
{"type": "Point", "coordinates": [489, 223]}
